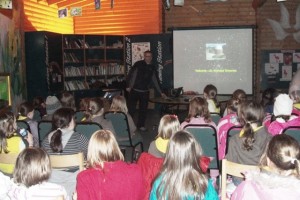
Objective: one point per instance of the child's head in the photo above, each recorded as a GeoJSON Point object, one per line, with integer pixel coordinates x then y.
{"type": "Point", "coordinates": [239, 95]}
{"type": "Point", "coordinates": [8, 126]}
{"type": "Point", "coordinates": [181, 169]}
{"type": "Point", "coordinates": [283, 107]}
{"type": "Point", "coordinates": [294, 89]}
{"type": "Point", "coordinates": [26, 110]}
{"type": "Point", "coordinates": [63, 118]}
{"type": "Point", "coordinates": [32, 167]}
{"type": "Point", "coordinates": [210, 91]}
{"type": "Point", "coordinates": [38, 102]}
{"type": "Point", "coordinates": [232, 106]}
{"type": "Point", "coordinates": [102, 148]}
{"type": "Point", "coordinates": [67, 100]}
{"type": "Point", "coordinates": [295, 96]}
{"type": "Point", "coordinates": [283, 155]}
{"type": "Point", "coordinates": [84, 104]}
{"type": "Point", "coordinates": [251, 115]}
{"type": "Point", "coordinates": [168, 125]}
{"type": "Point", "coordinates": [52, 104]}
{"type": "Point", "coordinates": [96, 106]}
{"type": "Point", "coordinates": [268, 96]}
{"type": "Point", "coordinates": [119, 104]}
{"type": "Point", "coordinates": [198, 108]}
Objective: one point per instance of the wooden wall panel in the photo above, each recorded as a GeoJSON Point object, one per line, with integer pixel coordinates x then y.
{"type": "Point", "coordinates": [39, 16]}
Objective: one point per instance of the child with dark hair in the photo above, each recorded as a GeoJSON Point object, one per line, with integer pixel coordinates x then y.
{"type": "Point", "coordinates": [210, 94]}
{"type": "Point", "coordinates": [294, 92]}
{"type": "Point", "coordinates": [26, 113]}
{"type": "Point", "coordinates": [67, 100]}
{"type": "Point", "coordinates": [39, 105]}
{"type": "Point", "coordinates": [268, 99]}
{"type": "Point", "coordinates": [63, 139]}
{"type": "Point", "coordinates": [248, 146]}
{"type": "Point", "coordinates": [279, 177]}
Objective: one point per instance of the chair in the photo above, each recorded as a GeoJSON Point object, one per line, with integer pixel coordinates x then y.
{"type": "Point", "coordinates": [215, 117]}
{"type": "Point", "coordinates": [234, 169]}
{"type": "Point", "coordinates": [66, 161]}
{"type": "Point", "coordinates": [231, 132]}
{"type": "Point", "coordinates": [120, 123]}
{"type": "Point", "coordinates": [9, 158]}
{"type": "Point", "coordinates": [44, 127]}
{"type": "Point", "coordinates": [293, 131]}
{"type": "Point", "coordinates": [87, 128]}
{"type": "Point", "coordinates": [79, 115]}
{"type": "Point", "coordinates": [206, 136]}
{"type": "Point", "coordinates": [23, 124]}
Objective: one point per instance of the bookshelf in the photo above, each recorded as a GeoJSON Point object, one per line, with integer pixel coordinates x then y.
{"type": "Point", "coordinates": [88, 59]}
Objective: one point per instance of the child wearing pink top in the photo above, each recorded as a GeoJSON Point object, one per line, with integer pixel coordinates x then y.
{"type": "Point", "coordinates": [198, 113]}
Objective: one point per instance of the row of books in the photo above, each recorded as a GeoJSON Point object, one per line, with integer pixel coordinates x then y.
{"type": "Point", "coordinates": [79, 43]}
{"type": "Point", "coordinates": [76, 85]}
{"type": "Point", "coordinates": [104, 68]}
{"type": "Point", "coordinates": [74, 71]}
{"type": "Point", "coordinates": [71, 57]}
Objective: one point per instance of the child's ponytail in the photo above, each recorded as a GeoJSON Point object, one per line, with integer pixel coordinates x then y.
{"type": "Point", "coordinates": [248, 136]}
{"type": "Point", "coordinates": [55, 142]}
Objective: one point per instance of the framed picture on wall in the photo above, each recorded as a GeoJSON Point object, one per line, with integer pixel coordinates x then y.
{"type": "Point", "coordinates": [5, 92]}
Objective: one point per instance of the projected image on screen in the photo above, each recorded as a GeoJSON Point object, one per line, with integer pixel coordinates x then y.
{"type": "Point", "coordinates": [219, 56]}
{"type": "Point", "coordinates": [215, 51]}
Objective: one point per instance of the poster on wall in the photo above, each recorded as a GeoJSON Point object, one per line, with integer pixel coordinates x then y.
{"type": "Point", "coordinates": [138, 50]}
{"type": "Point", "coordinates": [5, 93]}
{"type": "Point", "coordinates": [62, 13]}
{"type": "Point", "coordinates": [278, 67]}
{"type": "Point", "coordinates": [75, 11]}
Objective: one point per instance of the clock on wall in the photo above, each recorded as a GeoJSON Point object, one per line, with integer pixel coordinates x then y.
{"type": "Point", "coordinates": [6, 4]}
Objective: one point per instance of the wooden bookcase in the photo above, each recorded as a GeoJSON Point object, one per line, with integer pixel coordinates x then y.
{"type": "Point", "coordinates": [90, 59]}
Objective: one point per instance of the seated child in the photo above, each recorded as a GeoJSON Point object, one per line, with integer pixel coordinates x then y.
{"type": "Point", "coordinates": [210, 94]}
{"type": "Point", "coordinates": [168, 125]}
{"type": "Point", "coordinates": [279, 175]}
{"type": "Point", "coordinates": [294, 92]}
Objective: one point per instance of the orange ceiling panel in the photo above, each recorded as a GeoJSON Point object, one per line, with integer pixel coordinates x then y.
{"type": "Point", "coordinates": [123, 18]}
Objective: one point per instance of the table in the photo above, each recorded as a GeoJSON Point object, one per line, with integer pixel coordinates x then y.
{"type": "Point", "coordinates": [167, 104]}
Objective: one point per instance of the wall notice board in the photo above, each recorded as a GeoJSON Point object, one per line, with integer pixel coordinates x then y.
{"type": "Point", "coordinates": [278, 68]}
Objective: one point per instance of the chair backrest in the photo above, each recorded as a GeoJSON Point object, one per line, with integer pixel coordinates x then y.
{"type": "Point", "coordinates": [234, 169]}
{"type": "Point", "coordinates": [79, 115]}
{"type": "Point", "coordinates": [231, 132]}
{"type": "Point", "coordinates": [87, 128]}
{"type": "Point", "coordinates": [67, 161]}
{"type": "Point", "coordinates": [44, 127]}
{"type": "Point", "coordinates": [293, 131]}
{"type": "Point", "coordinates": [215, 117]}
{"type": "Point", "coordinates": [23, 124]}
{"type": "Point", "coordinates": [120, 123]}
{"type": "Point", "coordinates": [206, 136]}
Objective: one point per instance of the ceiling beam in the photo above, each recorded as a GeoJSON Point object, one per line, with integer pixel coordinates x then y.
{"type": "Point", "coordinates": [50, 2]}
{"type": "Point", "coordinates": [68, 3]}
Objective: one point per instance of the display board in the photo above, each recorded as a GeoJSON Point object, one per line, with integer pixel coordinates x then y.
{"type": "Point", "coordinates": [278, 67]}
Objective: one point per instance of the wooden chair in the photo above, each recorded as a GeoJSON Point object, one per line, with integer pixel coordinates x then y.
{"type": "Point", "coordinates": [8, 158]}
{"type": "Point", "coordinates": [67, 161]}
{"type": "Point", "coordinates": [120, 123]}
{"type": "Point", "coordinates": [293, 131]}
{"type": "Point", "coordinates": [206, 136]}
{"type": "Point", "coordinates": [234, 169]}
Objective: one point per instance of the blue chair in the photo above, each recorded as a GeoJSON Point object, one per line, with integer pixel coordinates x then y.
{"type": "Point", "coordinates": [231, 132]}
{"type": "Point", "coordinates": [120, 123]}
{"type": "Point", "coordinates": [293, 131]}
{"type": "Point", "coordinates": [215, 117]}
{"type": "Point", "coordinates": [79, 115]}
{"type": "Point", "coordinates": [44, 127]}
{"type": "Point", "coordinates": [23, 124]}
{"type": "Point", "coordinates": [87, 128]}
{"type": "Point", "coordinates": [206, 136]}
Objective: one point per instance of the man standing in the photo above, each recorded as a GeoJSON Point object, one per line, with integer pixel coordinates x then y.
{"type": "Point", "coordinates": [139, 79]}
